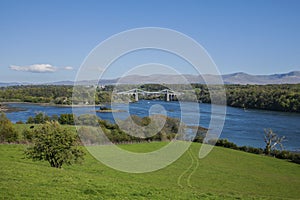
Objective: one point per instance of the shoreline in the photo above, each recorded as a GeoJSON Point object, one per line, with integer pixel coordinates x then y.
{"type": "Point", "coordinates": [7, 109]}
{"type": "Point", "coordinates": [49, 104]}
{"type": "Point", "coordinates": [83, 105]}
{"type": "Point", "coordinates": [110, 111]}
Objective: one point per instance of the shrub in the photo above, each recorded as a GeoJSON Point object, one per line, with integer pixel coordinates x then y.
{"type": "Point", "coordinates": [255, 150]}
{"type": "Point", "coordinates": [66, 119]}
{"type": "Point", "coordinates": [39, 118]}
{"type": "Point", "coordinates": [295, 157]}
{"type": "Point", "coordinates": [7, 131]}
{"type": "Point", "coordinates": [28, 134]}
{"type": "Point", "coordinates": [54, 144]}
{"type": "Point", "coordinates": [226, 143]}
{"type": "Point", "coordinates": [243, 148]}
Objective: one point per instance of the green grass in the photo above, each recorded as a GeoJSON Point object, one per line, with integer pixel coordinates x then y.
{"type": "Point", "coordinates": [223, 174]}
{"type": "Point", "coordinates": [143, 148]}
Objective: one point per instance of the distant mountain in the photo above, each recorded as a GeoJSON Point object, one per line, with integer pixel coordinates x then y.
{"type": "Point", "coordinates": [61, 83]}
{"type": "Point", "coordinates": [243, 78]}
{"type": "Point", "coordinates": [235, 78]}
{"type": "Point", "coordinates": [2, 84]}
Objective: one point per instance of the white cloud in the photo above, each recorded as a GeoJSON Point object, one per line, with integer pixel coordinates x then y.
{"type": "Point", "coordinates": [36, 68]}
{"type": "Point", "coordinates": [39, 68]}
{"type": "Point", "coordinates": [68, 68]}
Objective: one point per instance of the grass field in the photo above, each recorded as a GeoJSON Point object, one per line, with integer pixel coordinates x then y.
{"type": "Point", "coordinates": [223, 174]}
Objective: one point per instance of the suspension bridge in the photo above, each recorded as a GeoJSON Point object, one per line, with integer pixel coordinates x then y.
{"type": "Point", "coordinates": [169, 95]}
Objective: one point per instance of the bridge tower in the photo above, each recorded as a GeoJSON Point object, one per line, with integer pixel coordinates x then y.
{"type": "Point", "coordinates": [136, 95]}
{"type": "Point", "coordinates": [167, 96]}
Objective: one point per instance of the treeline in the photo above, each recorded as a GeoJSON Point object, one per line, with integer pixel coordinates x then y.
{"type": "Point", "coordinates": [56, 94]}
{"type": "Point", "coordinates": [268, 97]}
{"type": "Point", "coordinates": [285, 97]}
{"type": "Point", "coordinates": [37, 94]}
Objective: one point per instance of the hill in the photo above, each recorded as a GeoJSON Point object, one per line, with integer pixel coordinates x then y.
{"type": "Point", "coordinates": [234, 78]}
{"type": "Point", "coordinates": [223, 174]}
{"type": "Point", "coordinates": [243, 78]}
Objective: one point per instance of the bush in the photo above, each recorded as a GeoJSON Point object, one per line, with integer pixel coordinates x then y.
{"type": "Point", "coordinates": [295, 157]}
{"type": "Point", "coordinates": [39, 118]}
{"type": "Point", "coordinates": [243, 148]}
{"type": "Point", "coordinates": [226, 143]}
{"type": "Point", "coordinates": [66, 119]}
{"type": "Point", "coordinates": [28, 134]}
{"type": "Point", "coordinates": [7, 131]}
{"type": "Point", "coordinates": [54, 144]}
{"type": "Point", "coordinates": [255, 150]}
{"type": "Point", "coordinates": [292, 156]}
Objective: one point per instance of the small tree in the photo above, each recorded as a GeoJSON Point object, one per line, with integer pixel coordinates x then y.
{"type": "Point", "coordinates": [7, 131]}
{"type": "Point", "coordinates": [30, 120]}
{"type": "Point", "coordinates": [28, 134]}
{"type": "Point", "coordinates": [55, 144]}
{"type": "Point", "coordinates": [272, 140]}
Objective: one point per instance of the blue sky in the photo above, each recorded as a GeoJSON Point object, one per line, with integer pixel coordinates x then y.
{"type": "Point", "coordinates": [54, 37]}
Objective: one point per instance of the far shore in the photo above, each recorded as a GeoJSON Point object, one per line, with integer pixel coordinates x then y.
{"type": "Point", "coordinates": [5, 108]}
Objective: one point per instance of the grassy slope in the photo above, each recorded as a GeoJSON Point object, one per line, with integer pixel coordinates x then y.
{"type": "Point", "coordinates": [225, 173]}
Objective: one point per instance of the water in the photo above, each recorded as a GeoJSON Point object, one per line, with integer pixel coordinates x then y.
{"type": "Point", "coordinates": [243, 127]}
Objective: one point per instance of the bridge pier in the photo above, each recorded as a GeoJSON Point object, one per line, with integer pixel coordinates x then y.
{"type": "Point", "coordinates": [167, 98]}
{"type": "Point", "coordinates": [136, 96]}
{"type": "Point", "coordinates": [172, 96]}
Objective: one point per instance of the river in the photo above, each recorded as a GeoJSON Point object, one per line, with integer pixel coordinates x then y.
{"type": "Point", "coordinates": [243, 127]}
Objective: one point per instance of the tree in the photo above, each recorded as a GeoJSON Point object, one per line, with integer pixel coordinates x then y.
{"type": "Point", "coordinates": [55, 144]}
{"type": "Point", "coordinates": [66, 119]}
{"type": "Point", "coordinates": [41, 118]}
{"type": "Point", "coordinates": [272, 140]}
{"type": "Point", "coordinates": [30, 120]}
{"type": "Point", "coordinates": [7, 131]}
